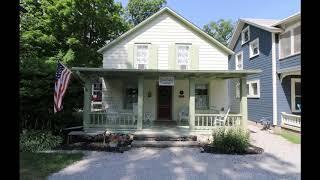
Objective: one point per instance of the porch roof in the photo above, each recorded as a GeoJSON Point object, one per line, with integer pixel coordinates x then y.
{"type": "Point", "coordinates": [151, 73]}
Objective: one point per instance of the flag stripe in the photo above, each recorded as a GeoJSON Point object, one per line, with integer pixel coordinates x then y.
{"type": "Point", "coordinates": [62, 81]}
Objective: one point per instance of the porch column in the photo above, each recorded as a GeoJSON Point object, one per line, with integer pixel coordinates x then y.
{"type": "Point", "coordinates": [86, 102]}
{"type": "Point", "coordinates": [191, 103]}
{"type": "Point", "coordinates": [244, 103]}
{"type": "Point", "coordinates": [140, 102]}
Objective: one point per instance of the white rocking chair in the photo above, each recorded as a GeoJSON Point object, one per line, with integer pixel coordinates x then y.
{"type": "Point", "coordinates": [221, 120]}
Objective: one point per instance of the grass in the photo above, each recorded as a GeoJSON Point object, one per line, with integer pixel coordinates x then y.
{"type": "Point", "coordinates": [291, 136]}
{"type": "Point", "coordinates": [40, 165]}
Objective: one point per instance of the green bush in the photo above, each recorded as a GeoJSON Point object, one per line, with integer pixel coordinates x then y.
{"type": "Point", "coordinates": [38, 140]}
{"type": "Point", "coordinates": [231, 140]}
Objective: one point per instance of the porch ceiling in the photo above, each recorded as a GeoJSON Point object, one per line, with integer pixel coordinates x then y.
{"type": "Point", "coordinates": [155, 73]}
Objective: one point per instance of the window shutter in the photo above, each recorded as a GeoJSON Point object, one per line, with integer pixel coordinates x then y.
{"type": "Point", "coordinates": [172, 60]}
{"type": "Point", "coordinates": [130, 61]}
{"type": "Point", "coordinates": [194, 56]}
{"type": "Point", "coordinates": [153, 56]}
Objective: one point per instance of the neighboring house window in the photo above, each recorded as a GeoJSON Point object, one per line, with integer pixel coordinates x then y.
{"type": "Point", "coordinates": [183, 56]}
{"type": "Point", "coordinates": [290, 42]}
{"type": "Point", "coordinates": [254, 48]}
{"type": "Point", "coordinates": [245, 35]}
{"type": "Point", "coordinates": [295, 94]}
{"type": "Point", "coordinates": [239, 61]}
{"type": "Point", "coordinates": [142, 56]}
{"type": "Point", "coordinates": [201, 98]}
{"type": "Point", "coordinates": [253, 89]}
{"type": "Point", "coordinates": [238, 90]}
{"type": "Point", "coordinates": [131, 97]}
{"type": "Point", "coordinates": [96, 100]}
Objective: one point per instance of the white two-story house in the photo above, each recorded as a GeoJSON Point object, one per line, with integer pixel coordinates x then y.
{"type": "Point", "coordinates": [164, 71]}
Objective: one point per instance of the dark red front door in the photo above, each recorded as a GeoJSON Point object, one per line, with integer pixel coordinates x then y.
{"type": "Point", "coordinates": [164, 102]}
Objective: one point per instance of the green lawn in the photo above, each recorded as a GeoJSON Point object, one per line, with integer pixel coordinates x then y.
{"type": "Point", "coordinates": [291, 136]}
{"type": "Point", "coordinates": [40, 165]}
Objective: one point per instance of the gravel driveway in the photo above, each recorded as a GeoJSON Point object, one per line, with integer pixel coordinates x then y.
{"type": "Point", "coordinates": [281, 160]}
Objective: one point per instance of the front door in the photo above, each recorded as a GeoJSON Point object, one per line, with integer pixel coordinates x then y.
{"type": "Point", "coordinates": [164, 102]}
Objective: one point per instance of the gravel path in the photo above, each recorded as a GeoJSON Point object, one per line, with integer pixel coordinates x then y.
{"type": "Point", "coordinates": [281, 160]}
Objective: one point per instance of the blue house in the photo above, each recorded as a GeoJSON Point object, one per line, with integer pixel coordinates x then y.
{"type": "Point", "coordinates": [274, 47]}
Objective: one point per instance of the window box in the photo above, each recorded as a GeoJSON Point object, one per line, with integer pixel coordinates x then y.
{"type": "Point", "coordinates": [253, 89]}
{"type": "Point", "coordinates": [245, 35]}
{"type": "Point", "coordinates": [254, 48]}
{"type": "Point", "coordinates": [239, 61]}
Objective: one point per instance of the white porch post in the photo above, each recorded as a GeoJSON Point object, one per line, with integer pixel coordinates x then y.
{"type": "Point", "coordinates": [140, 102]}
{"type": "Point", "coordinates": [244, 103]}
{"type": "Point", "coordinates": [191, 103]}
{"type": "Point", "coordinates": [86, 103]}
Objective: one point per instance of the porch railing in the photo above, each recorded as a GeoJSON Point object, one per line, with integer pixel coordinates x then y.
{"type": "Point", "coordinates": [210, 121]}
{"type": "Point", "coordinates": [124, 120]}
{"type": "Point", "coordinates": [291, 121]}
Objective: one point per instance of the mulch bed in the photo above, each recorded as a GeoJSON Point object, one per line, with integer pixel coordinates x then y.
{"type": "Point", "coordinates": [251, 150]}
{"type": "Point", "coordinates": [113, 142]}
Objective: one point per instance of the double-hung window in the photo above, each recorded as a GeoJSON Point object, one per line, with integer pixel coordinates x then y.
{"type": "Point", "coordinates": [290, 42]}
{"type": "Point", "coordinates": [131, 97]}
{"type": "Point", "coordinates": [96, 100]}
{"type": "Point", "coordinates": [295, 95]}
{"type": "Point", "coordinates": [239, 61]}
{"type": "Point", "coordinates": [183, 58]}
{"type": "Point", "coordinates": [201, 96]}
{"type": "Point", "coordinates": [142, 55]}
{"type": "Point", "coordinates": [253, 89]}
{"type": "Point", "coordinates": [245, 35]}
{"type": "Point", "coordinates": [254, 48]}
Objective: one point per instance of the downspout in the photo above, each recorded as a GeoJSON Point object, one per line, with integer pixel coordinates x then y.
{"type": "Point", "coordinates": [274, 81]}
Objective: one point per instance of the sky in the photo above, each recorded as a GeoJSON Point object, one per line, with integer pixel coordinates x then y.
{"type": "Point", "coordinates": [201, 12]}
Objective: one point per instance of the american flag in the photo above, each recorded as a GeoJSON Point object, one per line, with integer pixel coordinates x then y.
{"type": "Point", "coordinates": [61, 84]}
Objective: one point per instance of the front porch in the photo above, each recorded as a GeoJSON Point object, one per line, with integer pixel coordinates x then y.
{"type": "Point", "coordinates": [143, 117]}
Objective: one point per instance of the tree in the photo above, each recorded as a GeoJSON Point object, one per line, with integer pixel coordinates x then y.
{"type": "Point", "coordinates": [139, 10]}
{"type": "Point", "coordinates": [67, 30]}
{"type": "Point", "coordinates": [220, 30]}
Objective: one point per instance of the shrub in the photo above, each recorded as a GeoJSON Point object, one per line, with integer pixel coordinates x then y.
{"type": "Point", "coordinates": [231, 140]}
{"type": "Point", "coordinates": [38, 140]}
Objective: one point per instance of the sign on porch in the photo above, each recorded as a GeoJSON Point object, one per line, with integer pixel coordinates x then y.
{"type": "Point", "coordinates": [166, 81]}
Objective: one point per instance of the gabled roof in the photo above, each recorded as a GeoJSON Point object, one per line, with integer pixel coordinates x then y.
{"type": "Point", "coordinates": [266, 24]}
{"type": "Point", "coordinates": [174, 15]}
{"type": "Point", "coordinates": [291, 18]}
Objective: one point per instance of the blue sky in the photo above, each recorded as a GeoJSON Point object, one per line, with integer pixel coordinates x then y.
{"type": "Point", "coordinates": [200, 12]}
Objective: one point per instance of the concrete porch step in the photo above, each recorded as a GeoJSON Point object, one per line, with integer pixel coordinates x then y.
{"type": "Point", "coordinates": [158, 137]}
{"type": "Point", "coordinates": [164, 144]}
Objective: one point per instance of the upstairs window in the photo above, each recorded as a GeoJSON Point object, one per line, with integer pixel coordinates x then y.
{"type": "Point", "coordinates": [245, 35]}
{"type": "Point", "coordinates": [253, 89]}
{"type": "Point", "coordinates": [142, 56]}
{"type": "Point", "coordinates": [254, 48]}
{"type": "Point", "coordinates": [201, 96]}
{"type": "Point", "coordinates": [183, 56]}
{"type": "Point", "coordinates": [290, 42]}
{"type": "Point", "coordinates": [239, 61]}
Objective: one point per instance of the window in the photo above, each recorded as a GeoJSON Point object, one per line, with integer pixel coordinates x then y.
{"type": "Point", "coordinates": [142, 56]}
{"type": "Point", "coordinates": [290, 42]}
{"type": "Point", "coordinates": [238, 90]}
{"type": "Point", "coordinates": [254, 48]}
{"type": "Point", "coordinates": [131, 97]}
{"type": "Point", "coordinates": [239, 61]}
{"type": "Point", "coordinates": [183, 56]}
{"type": "Point", "coordinates": [295, 95]}
{"type": "Point", "coordinates": [201, 96]}
{"type": "Point", "coordinates": [253, 89]}
{"type": "Point", "coordinates": [245, 35]}
{"type": "Point", "coordinates": [297, 39]}
{"type": "Point", "coordinates": [96, 100]}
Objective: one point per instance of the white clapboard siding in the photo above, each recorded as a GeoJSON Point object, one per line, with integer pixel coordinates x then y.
{"type": "Point", "coordinates": [165, 31]}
